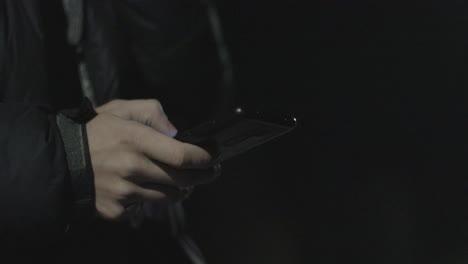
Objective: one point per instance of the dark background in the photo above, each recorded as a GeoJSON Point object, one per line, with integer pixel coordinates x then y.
{"type": "Point", "coordinates": [375, 171]}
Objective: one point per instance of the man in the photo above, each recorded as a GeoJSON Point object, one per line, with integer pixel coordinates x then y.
{"type": "Point", "coordinates": [61, 168]}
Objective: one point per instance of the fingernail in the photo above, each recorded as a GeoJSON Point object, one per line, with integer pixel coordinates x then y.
{"type": "Point", "coordinates": [171, 129]}
{"type": "Point", "coordinates": [161, 108]}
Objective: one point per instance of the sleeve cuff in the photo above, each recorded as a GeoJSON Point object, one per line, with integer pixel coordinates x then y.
{"type": "Point", "coordinates": [72, 127]}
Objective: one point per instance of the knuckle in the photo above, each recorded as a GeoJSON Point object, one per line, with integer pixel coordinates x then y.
{"type": "Point", "coordinates": [154, 105]}
{"type": "Point", "coordinates": [104, 118]}
{"type": "Point", "coordinates": [123, 190]}
{"type": "Point", "coordinates": [155, 111]}
{"type": "Point", "coordinates": [129, 133]}
{"type": "Point", "coordinates": [179, 159]}
{"type": "Point", "coordinates": [131, 164]}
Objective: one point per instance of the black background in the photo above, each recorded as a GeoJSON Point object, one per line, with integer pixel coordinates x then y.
{"type": "Point", "coordinates": [375, 171]}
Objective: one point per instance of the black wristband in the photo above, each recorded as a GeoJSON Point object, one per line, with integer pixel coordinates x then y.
{"type": "Point", "coordinates": [72, 126]}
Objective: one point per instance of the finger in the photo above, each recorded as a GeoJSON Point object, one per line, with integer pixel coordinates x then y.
{"type": "Point", "coordinates": [169, 151]}
{"type": "Point", "coordinates": [111, 210]}
{"type": "Point", "coordinates": [148, 112]}
{"type": "Point", "coordinates": [160, 193]}
{"type": "Point", "coordinates": [139, 169]}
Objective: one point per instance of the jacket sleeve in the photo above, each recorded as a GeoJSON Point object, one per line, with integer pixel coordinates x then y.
{"type": "Point", "coordinates": [40, 194]}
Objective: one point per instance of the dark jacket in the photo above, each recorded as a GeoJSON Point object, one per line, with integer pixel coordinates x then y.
{"type": "Point", "coordinates": [128, 49]}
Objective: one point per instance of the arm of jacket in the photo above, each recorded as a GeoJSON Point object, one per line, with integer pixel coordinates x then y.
{"type": "Point", "coordinates": [46, 181]}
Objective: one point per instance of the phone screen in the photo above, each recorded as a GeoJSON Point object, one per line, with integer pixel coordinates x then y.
{"type": "Point", "coordinates": [237, 132]}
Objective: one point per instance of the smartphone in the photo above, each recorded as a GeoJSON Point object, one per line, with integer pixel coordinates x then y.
{"type": "Point", "coordinates": [237, 132]}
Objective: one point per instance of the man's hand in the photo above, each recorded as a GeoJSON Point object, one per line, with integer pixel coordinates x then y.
{"type": "Point", "coordinates": [135, 158]}
{"type": "Point", "coordinates": [148, 112]}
